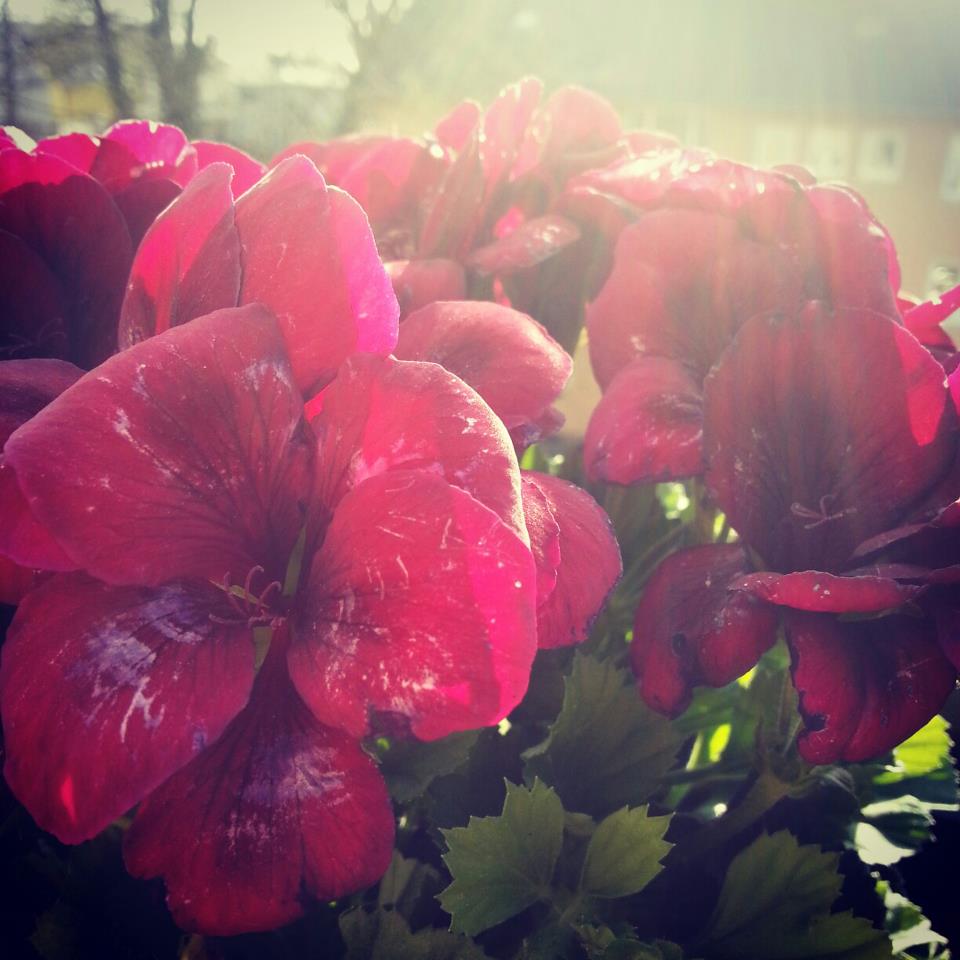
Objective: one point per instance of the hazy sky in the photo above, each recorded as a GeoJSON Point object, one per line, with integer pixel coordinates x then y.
{"type": "Point", "coordinates": [246, 31]}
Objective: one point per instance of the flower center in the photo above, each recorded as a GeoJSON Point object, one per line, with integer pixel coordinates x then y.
{"type": "Point", "coordinates": [821, 515]}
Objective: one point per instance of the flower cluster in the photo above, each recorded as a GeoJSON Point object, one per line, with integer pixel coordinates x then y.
{"type": "Point", "coordinates": [264, 512]}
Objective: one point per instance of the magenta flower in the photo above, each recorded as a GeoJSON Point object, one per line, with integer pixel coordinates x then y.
{"type": "Point", "coordinates": [253, 596]}
{"type": "Point", "coordinates": [821, 430]}
{"type": "Point", "coordinates": [721, 243]}
{"type": "Point", "coordinates": [144, 165]}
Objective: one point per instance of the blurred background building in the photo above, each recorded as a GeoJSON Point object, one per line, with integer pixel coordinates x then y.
{"type": "Point", "coordinates": [863, 92]}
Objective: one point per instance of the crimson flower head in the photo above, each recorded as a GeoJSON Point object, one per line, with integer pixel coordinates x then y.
{"type": "Point", "coordinates": [252, 596]}
{"type": "Point", "coordinates": [821, 430]}
{"type": "Point", "coordinates": [717, 243]}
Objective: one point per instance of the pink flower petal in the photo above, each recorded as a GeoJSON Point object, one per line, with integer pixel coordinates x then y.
{"type": "Point", "coordinates": [544, 534]}
{"type": "Point", "coordinates": [821, 430]}
{"type": "Point", "coordinates": [454, 130]}
{"type": "Point", "coordinates": [589, 560]}
{"type": "Point", "coordinates": [531, 243]}
{"type": "Point", "coordinates": [421, 607]}
{"type": "Point", "coordinates": [648, 425]}
{"type": "Point", "coordinates": [246, 170]}
{"type": "Point", "coordinates": [157, 150]}
{"type": "Point", "coordinates": [381, 415]}
{"type": "Point", "coordinates": [189, 443]}
{"type": "Point", "coordinates": [507, 357]}
{"type": "Point", "coordinates": [689, 629]}
{"type": "Point", "coordinates": [864, 685]}
{"type": "Point", "coordinates": [308, 254]}
{"type": "Point", "coordinates": [78, 149]}
{"type": "Point", "coordinates": [106, 691]}
{"type": "Point", "coordinates": [826, 593]}
{"type": "Point", "coordinates": [279, 809]}
{"type": "Point", "coordinates": [188, 263]}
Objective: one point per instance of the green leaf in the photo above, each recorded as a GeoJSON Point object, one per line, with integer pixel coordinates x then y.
{"type": "Point", "coordinates": [385, 935]}
{"type": "Point", "coordinates": [406, 883]}
{"type": "Point", "coordinates": [927, 750]}
{"type": "Point", "coordinates": [502, 865]}
{"type": "Point", "coordinates": [606, 749]}
{"type": "Point", "coordinates": [624, 853]}
{"type": "Point", "coordinates": [410, 766]}
{"type": "Point", "coordinates": [775, 905]}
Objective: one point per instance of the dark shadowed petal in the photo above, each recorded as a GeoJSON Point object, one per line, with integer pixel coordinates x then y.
{"type": "Point", "coordinates": [142, 202]}
{"type": "Point", "coordinates": [507, 357]}
{"type": "Point", "coordinates": [531, 243]}
{"type": "Point", "coordinates": [381, 415]}
{"type": "Point", "coordinates": [589, 560]}
{"type": "Point", "coordinates": [690, 629]}
{"type": "Point", "coordinates": [70, 222]}
{"type": "Point", "coordinates": [280, 811]}
{"type": "Point", "coordinates": [181, 456]}
{"type": "Point", "coordinates": [821, 430]}
{"type": "Point", "coordinates": [647, 426]}
{"type": "Point", "coordinates": [106, 691]}
{"type": "Point", "coordinates": [188, 263]}
{"type": "Point", "coordinates": [246, 170]}
{"type": "Point", "coordinates": [419, 282]}
{"type": "Point", "coordinates": [308, 254]}
{"type": "Point", "coordinates": [421, 606]}
{"type": "Point", "coordinates": [34, 309]}
{"type": "Point", "coordinates": [864, 685]}
{"type": "Point", "coordinates": [26, 387]}
{"type": "Point", "coordinates": [826, 593]}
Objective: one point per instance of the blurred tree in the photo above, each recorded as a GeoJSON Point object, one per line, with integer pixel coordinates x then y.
{"type": "Point", "coordinates": [106, 39]}
{"type": "Point", "coordinates": [178, 71]}
{"type": "Point", "coordinates": [9, 68]}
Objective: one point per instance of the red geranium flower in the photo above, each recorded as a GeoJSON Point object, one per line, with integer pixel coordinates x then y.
{"type": "Point", "coordinates": [722, 243]}
{"type": "Point", "coordinates": [820, 431]}
{"type": "Point", "coordinates": [253, 596]}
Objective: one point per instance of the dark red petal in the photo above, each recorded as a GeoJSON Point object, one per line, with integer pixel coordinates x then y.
{"type": "Point", "coordinates": [69, 220]}
{"type": "Point", "coordinates": [858, 260]}
{"type": "Point", "coordinates": [589, 563]}
{"type": "Point", "coordinates": [647, 426]}
{"type": "Point", "coordinates": [690, 629]}
{"type": "Point", "coordinates": [34, 309]}
{"type": "Point", "coordinates": [419, 282]}
{"type": "Point", "coordinates": [821, 430]}
{"type": "Point", "coordinates": [17, 581]}
{"type": "Point", "coordinates": [421, 606]}
{"type": "Point", "coordinates": [507, 357]}
{"type": "Point", "coordinates": [188, 263]}
{"type": "Point", "coordinates": [142, 202]}
{"type": "Point", "coordinates": [178, 457]}
{"type": "Point", "coordinates": [279, 810]}
{"type": "Point", "coordinates": [381, 415]}
{"type": "Point", "coordinates": [682, 283]}
{"type": "Point", "coordinates": [246, 170]}
{"type": "Point", "coordinates": [947, 618]}
{"type": "Point", "coordinates": [531, 243]}
{"type": "Point", "coordinates": [308, 254]}
{"type": "Point", "coordinates": [158, 150]}
{"type": "Point", "coordinates": [78, 149]}
{"type": "Point", "coordinates": [864, 685]}
{"type": "Point", "coordinates": [454, 129]}
{"type": "Point", "coordinates": [27, 386]}
{"type": "Point", "coordinates": [826, 593]}
{"type": "Point", "coordinates": [575, 120]}
{"type": "Point", "coordinates": [106, 691]}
